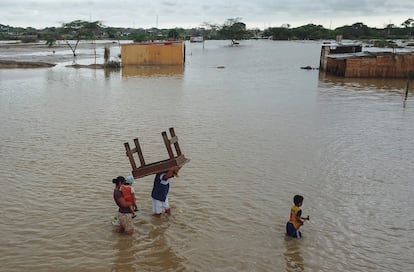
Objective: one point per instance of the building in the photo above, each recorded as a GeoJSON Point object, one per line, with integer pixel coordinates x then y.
{"type": "Point", "coordinates": [329, 49]}
{"type": "Point", "coordinates": [348, 60]}
{"type": "Point", "coordinates": [154, 53]}
{"type": "Point", "coordinates": [196, 39]}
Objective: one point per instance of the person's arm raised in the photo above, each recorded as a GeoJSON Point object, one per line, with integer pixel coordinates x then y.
{"type": "Point", "coordinates": [173, 171]}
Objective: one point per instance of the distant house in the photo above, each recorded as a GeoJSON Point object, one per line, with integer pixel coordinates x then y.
{"type": "Point", "coordinates": [196, 39]}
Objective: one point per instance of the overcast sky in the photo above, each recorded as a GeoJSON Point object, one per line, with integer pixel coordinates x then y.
{"type": "Point", "coordinates": [193, 13]}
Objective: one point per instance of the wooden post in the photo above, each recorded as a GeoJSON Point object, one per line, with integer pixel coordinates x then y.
{"type": "Point", "coordinates": [130, 156]}
{"type": "Point", "coordinates": [167, 144]}
{"type": "Point", "coordinates": [406, 90]}
{"type": "Point", "coordinates": [139, 151]}
{"type": "Point", "coordinates": [174, 140]}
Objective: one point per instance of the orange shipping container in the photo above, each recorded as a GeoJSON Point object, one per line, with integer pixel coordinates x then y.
{"type": "Point", "coordinates": [157, 53]}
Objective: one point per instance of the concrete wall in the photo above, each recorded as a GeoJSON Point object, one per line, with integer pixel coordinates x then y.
{"type": "Point", "coordinates": [159, 53]}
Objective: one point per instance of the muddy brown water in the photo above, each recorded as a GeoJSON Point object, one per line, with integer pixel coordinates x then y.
{"type": "Point", "coordinates": [258, 130]}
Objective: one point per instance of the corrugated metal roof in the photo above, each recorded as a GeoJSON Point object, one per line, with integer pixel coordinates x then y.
{"type": "Point", "coordinates": [348, 55]}
{"type": "Point", "coordinates": [365, 54]}
{"type": "Point", "coordinates": [342, 44]}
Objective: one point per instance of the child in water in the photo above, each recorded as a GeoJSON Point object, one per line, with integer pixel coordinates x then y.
{"type": "Point", "coordinates": [296, 220]}
{"type": "Point", "coordinates": [129, 194]}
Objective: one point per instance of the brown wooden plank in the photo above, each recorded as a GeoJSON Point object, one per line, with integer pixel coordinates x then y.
{"type": "Point", "coordinates": [139, 151]}
{"type": "Point", "coordinates": [173, 136]}
{"type": "Point", "coordinates": [167, 144]}
{"type": "Point", "coordinates": [130, 156]}
{"type": "Point", "coordinates": [174, 140]}
{"type": "Point", "coordinates": [158, 167]}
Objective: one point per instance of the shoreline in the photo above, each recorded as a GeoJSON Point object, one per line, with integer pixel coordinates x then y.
{"type": "Point", "coordinates": [16, 55]}
{"type": "Point", "coordinates": [25, 64]}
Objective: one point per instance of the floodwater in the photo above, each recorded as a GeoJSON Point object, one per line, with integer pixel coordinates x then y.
{"type": "Point", "coordinates": [258, 130]}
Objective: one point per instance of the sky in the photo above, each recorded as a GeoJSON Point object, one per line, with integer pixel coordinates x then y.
{"type": "Point", "coordinates": [188, 14]}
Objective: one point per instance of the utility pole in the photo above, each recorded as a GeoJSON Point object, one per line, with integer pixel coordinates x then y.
{"type": "Point", "coordinates": [406, 90]}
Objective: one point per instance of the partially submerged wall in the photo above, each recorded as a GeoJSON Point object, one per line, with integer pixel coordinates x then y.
{"type": "Point", "coordinates": [378, 65]}
{"type": "Point", "coordinates": [335, 66]}
{"type": "Point", "coordinates": [336, 49]}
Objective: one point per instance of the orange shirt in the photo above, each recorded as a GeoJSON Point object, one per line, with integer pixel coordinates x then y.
{"type": "Point", "coordinates": [295, 212]}
{"type": "Point", "coordinates": [127, 193]}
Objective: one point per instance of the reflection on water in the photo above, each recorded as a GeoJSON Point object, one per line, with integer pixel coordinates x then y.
{"type": "Point", "coordinates": [153, 70]}
{"type": "Point", "coordinates": [145, 252]}
{"type": "Point", "coordinates": [124, 254]}
{"type": "Point", "coordinates": [258, 131]}
{"type": "Point", "coordinates": [293, 255]}
{"type": "Point", "coordinates": [386, 84]}
{"type": "Point", "coordinates": [109, 71]}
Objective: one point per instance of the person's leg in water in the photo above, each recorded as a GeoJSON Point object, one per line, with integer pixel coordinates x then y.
{"type": "Point", "coordinates": [166, 206]}
{"type": "Point", "coordinates": [131, 208]}
{"type": "Point", "coordinates": [126, 225]}
{"type": "Point", "coordinates": [292, 232]}
{"type": "Point", "coordinates": [156, 208]}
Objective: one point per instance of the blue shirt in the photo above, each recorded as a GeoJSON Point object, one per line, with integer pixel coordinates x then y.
{"type": "Point", "coordinates": [161, 187]}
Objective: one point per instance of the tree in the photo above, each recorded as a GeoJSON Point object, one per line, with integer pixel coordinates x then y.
{"type": "Point", "coordinates": [81, 30]}
{"type": "Point", "coordinates": [233, 29]}
{"type": "Point", "coordinates": [389, 28]}
{"type": "Point", "coordinates": [50, 41]}
{"type": "Point", "coordinates": [355, 31]}
{"type": "Point", "coordinates": [112, 33]}
{"type": "Point", "coordinates": [312, 32]}
{"type": "Point", "coordinates": [409, 23]}
{"type": "Point", "coordinates": [172, 34]}
{"type": "Point", "coordinates": [139, 35]}
{"type": "Point", "coordinates": [254, 33]}
{"type": "Point", "coordinates": [210, 31]}
{"type": "Point", "coordinates": [279, 33]}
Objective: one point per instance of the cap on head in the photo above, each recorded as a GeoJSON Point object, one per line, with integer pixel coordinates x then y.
{"type": "Point", "coordinates": [129, 180]}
